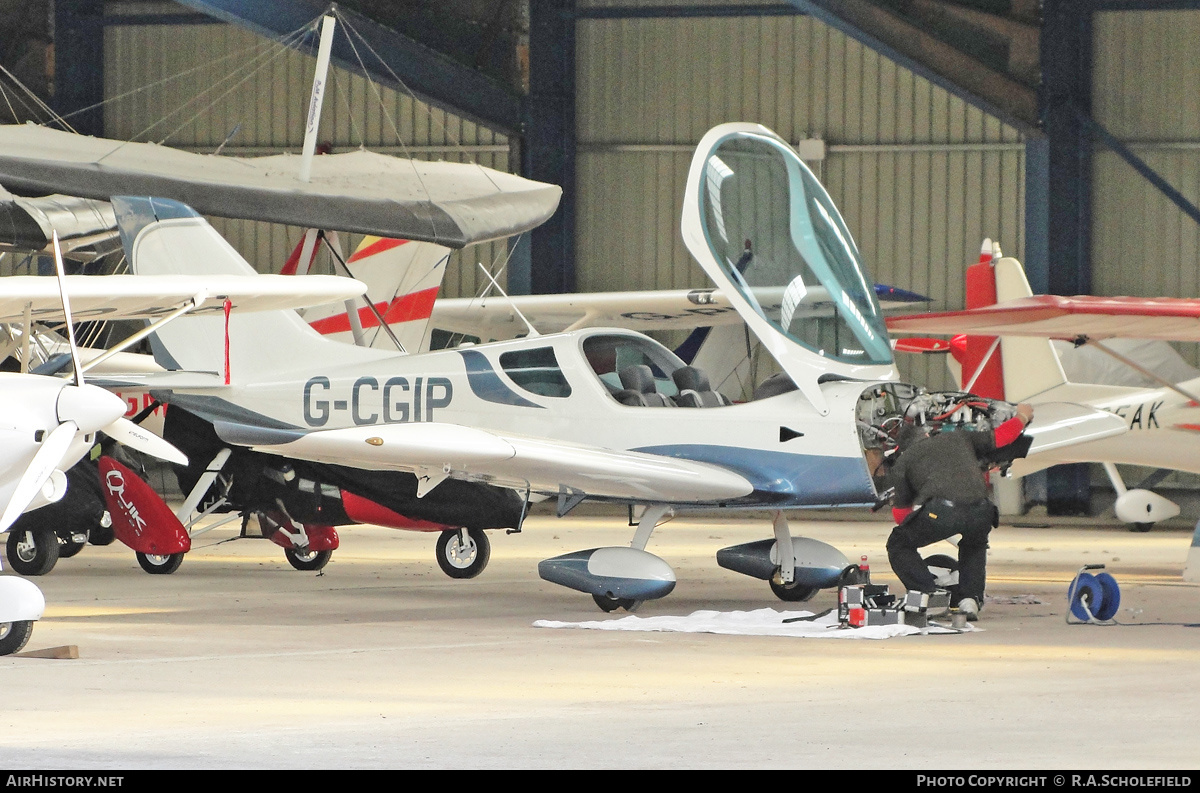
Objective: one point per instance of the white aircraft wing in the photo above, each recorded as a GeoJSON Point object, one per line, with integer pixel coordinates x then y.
{"type": "Point", "coordinates": [1056, 317]}
{"type": "Point", "coordinates": [453, 204]}
{"type": "Point", "coordinates": [1057, 425]}
{"type": "Point", "coordinates": [438, 450]}
{"type": "Point", "coordinates": [496, 317]}
{"type": "Point", "coordinates": [149, 297]}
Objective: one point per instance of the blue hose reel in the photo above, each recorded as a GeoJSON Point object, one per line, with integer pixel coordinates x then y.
{"type": "Point", "coordinates": [1093, 599]}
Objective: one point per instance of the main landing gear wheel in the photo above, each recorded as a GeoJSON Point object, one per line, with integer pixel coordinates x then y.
{"type": "Point", "coordinates": [307, 559]}
{"type": "Point", "coordinates": [794, 592]}
{"type": "Point", "coordinates": [1141, 527]}
{"type": "Point", "coordinates": [155, 564]}
{"type": "Point", "coordinates": [32, 551]}
{"type": "Point", "coordinates": [14, 635]}
{"type": "Point", "coordinates": [460, 559]}
{"type": "Point", "coordinates": [609, 604]}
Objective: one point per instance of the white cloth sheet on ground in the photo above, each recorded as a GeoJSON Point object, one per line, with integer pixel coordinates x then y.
{"type": "Point", "coordinates": [760, 622]}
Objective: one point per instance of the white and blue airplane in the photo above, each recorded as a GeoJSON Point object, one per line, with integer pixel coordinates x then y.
{"type": "Point", "coordinates": [602, 414]}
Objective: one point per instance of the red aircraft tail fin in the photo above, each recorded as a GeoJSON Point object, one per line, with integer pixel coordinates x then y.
{"type": "Point", "coordinates": [982, 369]}
{"type": "Point", "coordinates": [402, 278]}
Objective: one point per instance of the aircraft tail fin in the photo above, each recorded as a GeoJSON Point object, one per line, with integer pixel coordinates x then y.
{"type": "Point", "coordinates": [163, 237]}
{"type": "Point", "coordinates": [403, 278]}
{"type": "Point", "coordinates": [1018, 368]}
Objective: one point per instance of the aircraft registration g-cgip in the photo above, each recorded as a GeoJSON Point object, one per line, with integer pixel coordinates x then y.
{"type": "Point", "coordinates": [468, 436]}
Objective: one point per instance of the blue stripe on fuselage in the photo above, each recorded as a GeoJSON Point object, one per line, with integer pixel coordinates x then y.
{"type": "Point", "coordinates": [782, 478]}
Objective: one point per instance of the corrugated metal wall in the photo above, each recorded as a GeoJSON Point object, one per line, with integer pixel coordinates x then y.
{"type": "Point", "coordinates": [921, 177]}
{"type": "Point", "coordinates": [1145, 93]}
{"type": "Point", "coordinates": [194, 84]}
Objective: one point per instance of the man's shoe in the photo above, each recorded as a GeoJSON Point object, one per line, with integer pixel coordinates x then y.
{"type": "Point", "coordinates": [970, 607]}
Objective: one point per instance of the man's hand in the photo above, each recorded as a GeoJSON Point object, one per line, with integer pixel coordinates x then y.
{"type": "Point", "coordinates": [1025, 411]}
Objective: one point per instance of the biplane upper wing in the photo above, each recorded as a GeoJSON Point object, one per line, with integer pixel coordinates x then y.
{"type": "Point", "coordinates": [453, 204]}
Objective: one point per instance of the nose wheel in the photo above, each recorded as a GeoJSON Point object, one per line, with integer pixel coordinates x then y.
{"type": "Point", "coordinates": [32, 551]}
{"type": "Point", "coordinates": [463, 553]}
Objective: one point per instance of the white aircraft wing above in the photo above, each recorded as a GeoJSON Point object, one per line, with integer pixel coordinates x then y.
{"type": "Point", "coordinates": [150, 297]}
{"type": "Point", "coordinates": [1056, 317]}
{"type": "Point", "coordinates": [453, 204]}
{"type": "Point", "coordinates": [495, 317]}
{"type": "Point", "coordinates": [438, 450]}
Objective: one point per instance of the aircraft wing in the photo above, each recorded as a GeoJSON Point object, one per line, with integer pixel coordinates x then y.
{"type": "Point", "coordinates": [439, 449]}
{"type": "Point", "coordinates": [149, 297]}
{"type": "Point", "coordinates": [86, 228]}
{"type": "Point", "coordinates": [1057, 425]}
{"type": "Point", "coordinates": [453, 204]}
{"type": "Point", "coordinates": [1056, 317]}
{"type": "Point", "coordinates": [495, 317]}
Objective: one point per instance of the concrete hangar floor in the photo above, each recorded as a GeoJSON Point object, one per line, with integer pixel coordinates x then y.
{"type": "Point", "coordinates": [239, 661]}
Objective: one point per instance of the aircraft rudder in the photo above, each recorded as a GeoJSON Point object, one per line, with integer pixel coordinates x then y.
{"type": "Point", "coordinates": [163, 237]}
{"type": "Point", "coordinates": [1031, 365]}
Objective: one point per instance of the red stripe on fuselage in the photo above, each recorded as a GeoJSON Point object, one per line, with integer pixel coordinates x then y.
{"type": "Point", "coordinates": [418, 305]}
{"type": "Point", "coordinates": [379, 246]}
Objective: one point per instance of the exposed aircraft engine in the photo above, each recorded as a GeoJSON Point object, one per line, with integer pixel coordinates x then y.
{"type": "Point", "coordinates": [886, 409]}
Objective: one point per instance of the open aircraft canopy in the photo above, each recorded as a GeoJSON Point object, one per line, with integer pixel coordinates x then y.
{"type": "Point", "coordinates": [772, 241]}
{"type": "Point", "coordinates": [452, 204]}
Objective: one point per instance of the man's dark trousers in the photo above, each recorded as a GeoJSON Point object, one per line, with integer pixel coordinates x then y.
{"type": "Point", "coordinates": [936, 521]}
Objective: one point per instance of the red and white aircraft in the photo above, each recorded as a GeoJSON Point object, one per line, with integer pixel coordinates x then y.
{"type": "Point", "coordinates": [1004, 343]}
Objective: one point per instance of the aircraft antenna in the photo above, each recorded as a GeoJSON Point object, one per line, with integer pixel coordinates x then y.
{"type": "Point", "coordinates": [500, 289]}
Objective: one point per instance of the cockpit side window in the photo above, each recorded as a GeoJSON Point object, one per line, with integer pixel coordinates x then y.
{"type": "Point", "coordinates": [609, 355]}
{"type": "Point", "coordinates": [537, 371]}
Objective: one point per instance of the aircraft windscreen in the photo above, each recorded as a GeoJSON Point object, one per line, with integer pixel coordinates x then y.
{"type": "Point", "coordinates": [784, 245]}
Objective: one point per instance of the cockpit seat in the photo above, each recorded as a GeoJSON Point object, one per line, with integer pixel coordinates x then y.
{"type": "Point", "coordinates": [694, 389]}
{"type": "Point", "coordinates": [639, 389]}
{"type": "Point", "coordinates": [776, 384]}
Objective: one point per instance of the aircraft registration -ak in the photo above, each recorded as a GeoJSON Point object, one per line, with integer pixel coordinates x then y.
{"type": "Point", "coordinates": [1135, 418]}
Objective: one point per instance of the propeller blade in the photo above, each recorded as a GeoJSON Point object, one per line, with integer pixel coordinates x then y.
{"type": "Point", "coordinates": [48, 457]}
{"type": "Point", "coordinates": [66, 304]}
{"type": "Point", "coordinates": [126, 432]}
